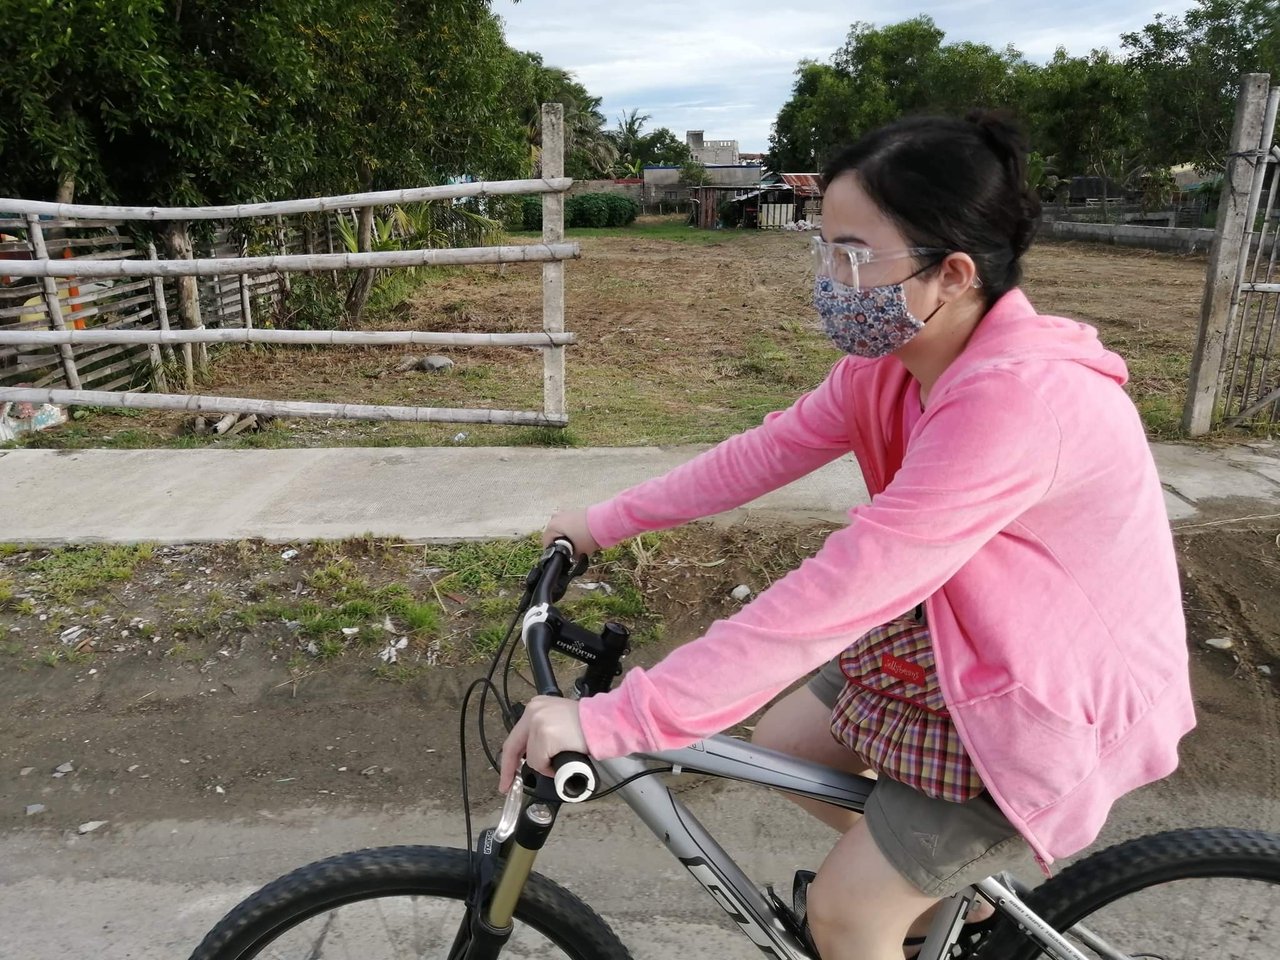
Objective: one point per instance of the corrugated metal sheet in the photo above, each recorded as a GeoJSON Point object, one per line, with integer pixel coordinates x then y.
{"type": "Point", "coordinates": [804, 184]}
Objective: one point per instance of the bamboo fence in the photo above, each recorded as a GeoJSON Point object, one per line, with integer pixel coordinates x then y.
{"type": "Point", "coordinates": [85, 309]}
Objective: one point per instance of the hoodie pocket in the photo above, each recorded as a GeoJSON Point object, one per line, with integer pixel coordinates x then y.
{"type": "Point", "coordinates": [1027, 752]}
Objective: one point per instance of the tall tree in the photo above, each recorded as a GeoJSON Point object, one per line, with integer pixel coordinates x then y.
{"type": "Point", "coordinates": [590, 149]}
{"type": "Point", "coordinates": [817, 120]}
{"type": "Point", "coordinates": [151, 102]}
{"type": "Point", "coordinates": [879, 74]}
{"type": "Point", "coordinates": [1191, 67]}
{"type": "Point", "coordinates": [406, 93]}
{"type": "Point", "coordinates": [1086, 108]}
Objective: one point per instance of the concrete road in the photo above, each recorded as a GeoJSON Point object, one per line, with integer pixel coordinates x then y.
{"type": "Point", "coordinates": [149, 891]}
{"type": "Point", "coordinates": [444, 493]}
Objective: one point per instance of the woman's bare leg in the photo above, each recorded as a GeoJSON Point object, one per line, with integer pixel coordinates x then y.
{"type": "Point", "coordinates": [800, 724]}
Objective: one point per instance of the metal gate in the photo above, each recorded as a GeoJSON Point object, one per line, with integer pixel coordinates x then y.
{"type": "Point", "coordinates": [1235, 377]}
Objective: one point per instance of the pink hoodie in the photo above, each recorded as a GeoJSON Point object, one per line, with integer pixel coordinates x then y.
{"type": "Point", "coordinates": [1022, 506]}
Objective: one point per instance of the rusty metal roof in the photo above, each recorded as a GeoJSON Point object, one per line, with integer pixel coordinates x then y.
{"type": "Point", "coordinates": [804, 184]}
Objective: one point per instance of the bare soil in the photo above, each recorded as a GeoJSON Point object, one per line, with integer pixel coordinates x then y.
{"type": "Point", "coordinates": [238, 718]}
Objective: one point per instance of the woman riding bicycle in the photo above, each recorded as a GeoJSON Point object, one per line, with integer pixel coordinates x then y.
{"type": "Point", "coordinates": [998, 634]}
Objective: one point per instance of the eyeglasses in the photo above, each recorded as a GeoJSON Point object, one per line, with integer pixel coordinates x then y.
{"type": "Point", "coordinates": [846, 263]}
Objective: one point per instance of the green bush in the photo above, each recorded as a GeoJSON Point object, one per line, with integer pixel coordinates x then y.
{"type": "Point", "coordinates": [313, 304]}
{"type": "Point", "coordinates": [622, 210]}
{"type": "Point", "coordinates": [531, 213]}
{"type": "Point", "coordinates": [508, 211]}
{"type": "Point", "coordinates": [588, 210]}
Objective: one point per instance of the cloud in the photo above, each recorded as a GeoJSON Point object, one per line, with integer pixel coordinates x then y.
{"type": "Point", "coordinates": [727, 67]}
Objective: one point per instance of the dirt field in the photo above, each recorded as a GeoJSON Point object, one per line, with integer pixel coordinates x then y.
{"type": "Point", "coordinates": [684, 337]}
{"type": "Point", "coordinates": [216, 681]}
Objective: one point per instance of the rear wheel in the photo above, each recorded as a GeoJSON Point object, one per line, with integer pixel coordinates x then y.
{"type": "Point", "coordinates": [396, 903]}
{"type": "Point", "coordinates": [1184, 895]}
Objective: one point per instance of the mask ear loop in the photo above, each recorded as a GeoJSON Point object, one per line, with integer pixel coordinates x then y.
{"type": "Point", "coordinates": [930, 266]}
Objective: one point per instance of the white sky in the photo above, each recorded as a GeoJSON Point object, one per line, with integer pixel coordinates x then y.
{"type": "Point", "coordinates": [727, 68]}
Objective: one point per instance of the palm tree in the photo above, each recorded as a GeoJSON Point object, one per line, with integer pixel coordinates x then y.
{"type": "Point", "coordinates": [627, 135]}
{"type": "Point", "coordinates": [585, 134]}
{"type": "Point", "coordinates": [588, 146]}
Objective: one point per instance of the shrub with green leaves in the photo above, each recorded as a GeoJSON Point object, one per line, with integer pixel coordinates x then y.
{"type": "Point", "coordinates": [622, 210]}
{"type": "Point", "coordinates": [531, 213]}
{"type": "Point", "coordinates": [314, 303]}
{"type": "Point", "coordinates": [588, 210]}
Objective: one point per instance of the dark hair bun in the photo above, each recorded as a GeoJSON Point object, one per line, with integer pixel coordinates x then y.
{"type": "Point", "coordinates": [1007, 141]}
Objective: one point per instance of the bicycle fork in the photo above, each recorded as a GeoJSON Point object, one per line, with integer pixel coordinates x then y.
{"type": "Point", "coordinates": [503, 861]}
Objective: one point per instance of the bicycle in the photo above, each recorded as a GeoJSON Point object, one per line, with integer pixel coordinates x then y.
{"type": "Point", "coordinates": [345, 906]}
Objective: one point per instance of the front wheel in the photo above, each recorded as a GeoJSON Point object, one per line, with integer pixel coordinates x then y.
{"type": "Point", "coordinates": [396, 903]}
{"type": "Point", "coordinates": [1208, 894]}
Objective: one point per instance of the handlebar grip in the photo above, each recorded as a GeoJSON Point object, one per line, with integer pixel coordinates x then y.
{"type": "Point", "coordinates": [575, 776]}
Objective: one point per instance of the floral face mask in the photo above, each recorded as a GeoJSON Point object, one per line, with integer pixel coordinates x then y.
{"type": "Point", "coordinates": [866, 323]}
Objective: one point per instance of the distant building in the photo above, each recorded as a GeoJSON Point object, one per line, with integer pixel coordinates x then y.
{"type": "Point", "coordinates": [710, 152]}
{"type": "Point", "coordinates": [662, 183]}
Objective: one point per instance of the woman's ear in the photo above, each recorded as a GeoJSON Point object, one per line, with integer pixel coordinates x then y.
{"type": "Point", "coordinates": [957, 275]}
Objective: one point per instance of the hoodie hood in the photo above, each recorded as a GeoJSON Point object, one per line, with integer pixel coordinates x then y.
{"type": "Point", "coordinates": [1013, 332]}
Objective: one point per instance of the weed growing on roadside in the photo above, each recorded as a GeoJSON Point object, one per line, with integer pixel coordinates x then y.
{"type": "Point", "coordinates": [67, 572]}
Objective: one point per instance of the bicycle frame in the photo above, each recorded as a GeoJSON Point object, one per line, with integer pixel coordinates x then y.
{"type": "Point", "coordinates": [713, 868]}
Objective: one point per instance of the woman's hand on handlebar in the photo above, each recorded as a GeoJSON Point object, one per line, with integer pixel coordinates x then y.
{"type": "Point", "coordinates": [571, 524]}
{"type": "Point", "coordinates": [548, 726]}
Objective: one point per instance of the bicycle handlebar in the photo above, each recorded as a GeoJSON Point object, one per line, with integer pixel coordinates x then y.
{"type": "Point", "coordinates": [575, 777]}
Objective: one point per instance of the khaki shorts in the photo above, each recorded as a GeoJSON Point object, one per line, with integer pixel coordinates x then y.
{"type": "Point", "coordinates": [938, 846]}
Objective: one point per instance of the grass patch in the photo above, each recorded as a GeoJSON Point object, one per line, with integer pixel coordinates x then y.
{"type": "Point", "coordinates": [346, 600]}
{"type": "Point", "coordinates": [545, 437]}
{"type": "Point", "coordinates": [483, 566]}
{"type": "Point", "coordinates": [329, 648]}
{"type": "Point", "coordinates": [68, 572]}
{"type": "Point", "coordinates": [419, 618]}
{"type": "Point", "coordinates": [493, 572]}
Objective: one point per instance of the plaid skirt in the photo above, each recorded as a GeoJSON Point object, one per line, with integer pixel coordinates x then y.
{"type": "Point", "coordinates": [891, 713]}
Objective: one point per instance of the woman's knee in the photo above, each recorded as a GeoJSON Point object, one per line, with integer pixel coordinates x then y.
{"type": "Point", "coordinates": [860, 906]}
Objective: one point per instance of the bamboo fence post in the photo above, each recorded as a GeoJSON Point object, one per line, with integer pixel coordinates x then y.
{"type": "Point", "coordinates": [159, 378]}
{"type": "Point", "coordinates": [161, 305]}
{"type": "Point", "coordinates": [328, 239]}
{"type": "Point", "coordinates": [246, 308]}
{"type": "Point", "coordinates": [553, 273]}
{"type": "Point", "coordinates": [1246, 289]}
{"type": "Point", "coordinates": [174, 244]}
{"type": "Point", "coordinates": [283, 234]}
{"type": "Point", "coordinates": [51, 302]}
{"type": "Point", "coordinates": [1225, 256]}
